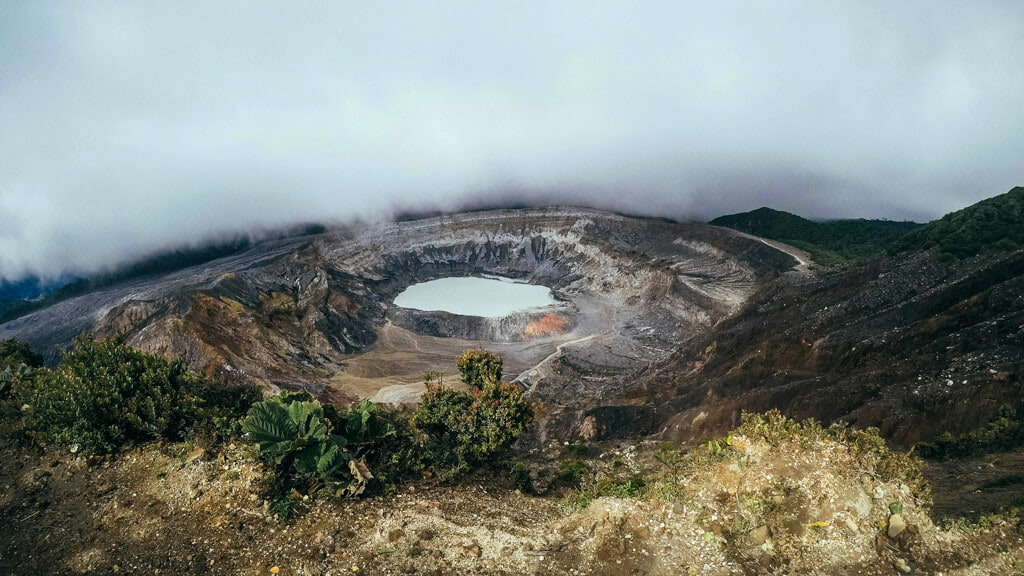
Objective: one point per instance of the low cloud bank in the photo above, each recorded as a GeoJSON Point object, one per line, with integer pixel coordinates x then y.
{"type": "Point", "coordinates": [128, 127]}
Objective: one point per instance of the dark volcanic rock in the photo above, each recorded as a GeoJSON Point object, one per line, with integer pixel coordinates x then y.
{"type": "Point", "coordinates": [912, 345]}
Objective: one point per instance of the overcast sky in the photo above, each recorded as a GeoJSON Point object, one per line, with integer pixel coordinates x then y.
{"type": "Point", "coordinates": [128, 126]}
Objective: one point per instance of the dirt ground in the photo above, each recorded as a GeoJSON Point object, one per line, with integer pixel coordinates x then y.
{"type": "Point", "coordinates": [172, 509]}
{"type": "Point", "coordinates": [972, 487]}
{"type": "Point", "coordinates": [399, 358]}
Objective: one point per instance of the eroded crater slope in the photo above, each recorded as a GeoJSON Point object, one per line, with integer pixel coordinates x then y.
{"type": "Point", "coordinates": [316, 311]}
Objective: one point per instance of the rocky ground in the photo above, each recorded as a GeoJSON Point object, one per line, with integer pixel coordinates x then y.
{"type": "Point", "coordinates": [910, 344]}
{"type": "Point", "coordinates": [789, 506]}
{"type": "Point", "coordinates": [316, 312]}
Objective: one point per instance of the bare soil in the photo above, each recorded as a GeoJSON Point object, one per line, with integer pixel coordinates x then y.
{"type": "Point", "coordinates": [173, 509]}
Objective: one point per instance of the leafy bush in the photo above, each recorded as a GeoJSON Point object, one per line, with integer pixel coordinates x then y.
{"type": "Point", "coordinates": [17, 362]}
{"type": "Point", "coordinates": [291, 428]}
{"type": "Point", "coordinates": [468, 429]}
{"type": "Point", "coordinates": [384, 441]}
{"type": "Point", "coordinates": [572, 471]}
{"type": "Point", "coordinates": [479, 367]}
{"type": "Point", "coordinates": [11, 374]}
{"type": "Point", "coordinates": [106, 395]}
{"type": "Point", "coordinates": [521, 478]}
{"type": "Point", "coordinates": [14, 353]}
{"type": "Point", "coordinates": [319, 449]}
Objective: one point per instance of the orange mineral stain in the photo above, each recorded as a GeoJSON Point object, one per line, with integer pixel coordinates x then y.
{"type": "Point", "coordinates": [548, 324]}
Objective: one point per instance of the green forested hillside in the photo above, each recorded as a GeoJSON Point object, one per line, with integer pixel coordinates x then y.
{"type": "Point", "coordinates": [996, 223]}
{"type": "Point", "coordinates": [829, 243]}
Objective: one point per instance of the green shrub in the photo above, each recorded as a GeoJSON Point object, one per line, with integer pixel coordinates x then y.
{"type": "Point", "coordinates": [383, 440]}
{"type": "Point", "coordinates": [433, 377]}
{"type": "Point", "coordinates": [319, 449]}
{"type": "Point", "coordinates": [1003, 431]}
{"type": "Point", "coordinates": [291, 428]}
{"type": "Point", "coordinates": [14, 352]}
{"type": "Point", "coordinates": [521, 478]}
{"type": "Point", "coordinates": [469, 429]}
{"type": "Point", "coordinates": [572, 471]}
{"type": "Point", "coordinates": [17, 362]}
{"type": "Point", "coordinates": [11, 374]}
{"type": "Point", "coordinates": [107, 395]}
{"type": "Point", "coordinates": [601, 488]}
{"type": "Point", "coordinates": [479, 367]}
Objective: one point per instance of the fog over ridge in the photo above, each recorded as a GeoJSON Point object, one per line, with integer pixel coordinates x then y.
{"type": "Point", "coordinates": [126, 127]}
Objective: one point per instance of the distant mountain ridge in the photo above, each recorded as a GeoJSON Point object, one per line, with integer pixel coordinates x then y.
{"type": "Point", "coordinates": [830, 242]}
{"type": "Point", "coordinates": [32, 287]}
{"type": "Point", "coordinates": [996, 223]}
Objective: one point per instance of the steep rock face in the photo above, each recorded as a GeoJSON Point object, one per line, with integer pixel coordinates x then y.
{"type": "Point", "coordinates": [304, 312]}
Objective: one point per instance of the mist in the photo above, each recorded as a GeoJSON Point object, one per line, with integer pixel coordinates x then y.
{"type": "Point", "coordinates": [128, 127]}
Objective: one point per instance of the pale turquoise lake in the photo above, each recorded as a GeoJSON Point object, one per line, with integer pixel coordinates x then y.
{"type": "Point", "coordinates": [484, 297]}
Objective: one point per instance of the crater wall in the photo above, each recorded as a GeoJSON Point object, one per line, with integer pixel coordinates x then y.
{"type": "Point", "coordinates": [316, 312]}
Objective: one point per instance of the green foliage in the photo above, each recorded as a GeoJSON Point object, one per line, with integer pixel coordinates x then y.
{"type": "Point", "coordinates": [996, 223]}
{"type": "Point", "coordinates": [433, 378]}
{"type": "Point", "coordinates": [601, 488]}
{"type": "Point", "coordinates": [776, 428]}
{"type": "Point", "coordinates": [106, 395]}
{"type": "Point", "coordinates": [868, 444]}
{"type": "Point", "coordinates": [521, 478]}
{"type": "Point", "coordinates": [318, 449]}
{"type": "Point", "coordinates": [572, 471]}
{"type": "Point", "coordinates": [668, 453]}
{"type": "Point", "coordinates": [1004, 516]}
{"type": "Point", "coordinates": [10, 375]}
{"type": "Point", "coordinates": [384, 441]}
{"type": "Point", "coordinates": [14, 353]}
{"type": "Point", "coordinates": [479, 367]}
{"type": "Point", "coordinates": [829, 243]}
{"type": "Point", "coordinates": [17, 362]}
{"type": "Point", "coordinates": [1003, 431]}
{"type": "Point", "coordinates": [469, 429]}
{"type": "Point", "coordinates": [292, 429]}
{"type": "Point", "coordinates": [367, 423]}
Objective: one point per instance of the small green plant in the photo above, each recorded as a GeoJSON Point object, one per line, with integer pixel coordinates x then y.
{"type": "Point", "coordinates": [601, 488]}
{"type": "Point", "coordinates": [292, 430]}
{"type": "Point", "coordinates": [668, 453]}
{"type": "Point", "coordinates": [521, 478]}
{"type": "Point", "coordinates": [433, 378]}
{"type": "Point", "coordinates": [11, 374]}
{"type": "Point", "coordinates": [17, 363]}
{"type": "Point", "coordinates": [479, 367]}
{"type": "Point", "coordinates": [775, 428]}
{"type": "Point", "coordinates": [572, 471]}
{"type": "Point", "coordinates": [1003, 516]}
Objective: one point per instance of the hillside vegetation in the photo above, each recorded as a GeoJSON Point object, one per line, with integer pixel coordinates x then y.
{"type": "Point", "coordinates": [992, 224]}
{"type": "Point", "coordinates": [996, 223]}
{"type": "Point", "coordinates": [829, 243]}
